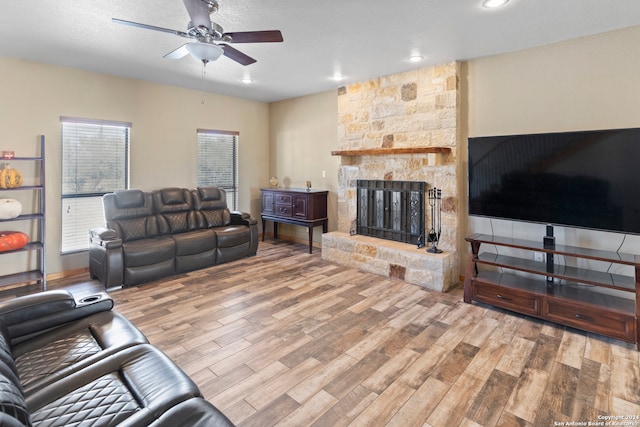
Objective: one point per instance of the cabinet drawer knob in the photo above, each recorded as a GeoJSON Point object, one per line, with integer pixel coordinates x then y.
{"type": "Point", "coordinates": [502, 297]}
{"type": "Point", "coordinates": [583, 317]}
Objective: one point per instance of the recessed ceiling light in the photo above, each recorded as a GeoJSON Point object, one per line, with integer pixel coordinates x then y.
{"type": "Point", "coordinates": [491, 4]}
{"type": "Point", "coordinates": [247, 80]}
{"type": "Point", "coordinates": [415, 58]}
{"type": "Point", "coordinates": [337, 77]}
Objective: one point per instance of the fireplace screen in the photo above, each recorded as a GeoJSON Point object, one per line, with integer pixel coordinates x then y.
{"type": "Point", "coordinates": [392, 210]}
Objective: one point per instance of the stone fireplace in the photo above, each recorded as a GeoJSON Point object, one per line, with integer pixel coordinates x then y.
{"type": "Point", "coordinates": [402, 127]}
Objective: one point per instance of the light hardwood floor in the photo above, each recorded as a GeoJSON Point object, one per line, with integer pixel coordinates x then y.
{"type": "Point", "coordinates": [285, 338]}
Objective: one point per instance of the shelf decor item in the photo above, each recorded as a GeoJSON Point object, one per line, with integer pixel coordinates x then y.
{"type": "Point", "coordinates": [12, 240]}
{"type": "Point", "coordinates": [435, 203]}
{"type": "Point", "coordinates": [10, 177]}
{"type": "Point", "coordinates": [7, 155]}
{"type": "Point", "coordinates": [10, 208]}
{"type": "Point", "coordinates": [273, 181]}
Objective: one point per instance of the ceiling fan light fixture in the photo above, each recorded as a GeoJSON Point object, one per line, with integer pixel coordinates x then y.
{"type": "Point", "coordinates": [204, 52]}
{"type": "Point", "coordinates": [492, 4]}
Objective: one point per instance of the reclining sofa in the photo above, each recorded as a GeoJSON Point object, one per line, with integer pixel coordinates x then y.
{"type": "Point", "coordinates": [150, 235]}
{"type": "Point", "coordinates": [68, 362]}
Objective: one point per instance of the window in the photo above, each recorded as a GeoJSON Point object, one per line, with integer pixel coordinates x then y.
{"type": "Point", "coordinates": [218, 162]}
{"type": "Point", "coordinates": [95, 161]}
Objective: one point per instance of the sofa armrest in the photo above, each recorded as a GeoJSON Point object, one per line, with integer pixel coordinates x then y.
{"type": "Point", "coordinates": [242, 218]}
{"type": "Point", "coordinates": [106, 261]}
{"type": "Point", "coordinates": [104, 237]}
{"type": "Point", "coordinates": [34, 314]}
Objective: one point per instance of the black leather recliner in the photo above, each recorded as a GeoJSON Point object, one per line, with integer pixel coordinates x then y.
{"type": "Point", "coordinates": [75, 362]}
{"type": "Point", "coordinates": [173, 230]}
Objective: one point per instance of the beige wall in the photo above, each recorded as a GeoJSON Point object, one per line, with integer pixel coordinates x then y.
{"type": "Point", "coordinates": [163, 138]}
{"type": "Point", "coordinates": [587, 83]}
{"type": "Point", "coordinates": [303, 132]}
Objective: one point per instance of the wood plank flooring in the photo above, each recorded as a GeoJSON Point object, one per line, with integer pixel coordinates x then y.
{"type": "Point", "coordinates": [287, 339]}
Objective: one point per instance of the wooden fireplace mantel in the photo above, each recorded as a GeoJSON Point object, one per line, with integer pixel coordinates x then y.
{"type": "Point", "coordinates": [390, 151]}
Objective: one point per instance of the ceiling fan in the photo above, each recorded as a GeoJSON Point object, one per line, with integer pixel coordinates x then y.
{"type": "Point", "coordinates": [210, 39]}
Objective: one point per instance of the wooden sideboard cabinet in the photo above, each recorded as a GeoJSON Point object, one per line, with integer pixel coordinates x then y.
{"type": "Point", "coordinates": [294, 206]}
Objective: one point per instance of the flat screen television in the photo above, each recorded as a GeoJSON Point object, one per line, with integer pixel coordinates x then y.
{"type": "Point", "coordinates": [587, 179]}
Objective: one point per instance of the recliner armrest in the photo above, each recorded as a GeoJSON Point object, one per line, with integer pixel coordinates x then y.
{"type": "Point", "coordinates": [104, 237]}
{"type": "Point", "coordinates": [242, 218]}
{"type": "Point", "coordinates": [31, 315]}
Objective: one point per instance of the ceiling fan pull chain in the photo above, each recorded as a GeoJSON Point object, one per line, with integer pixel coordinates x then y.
{"type": "Point", "coordinates": [204, 72]}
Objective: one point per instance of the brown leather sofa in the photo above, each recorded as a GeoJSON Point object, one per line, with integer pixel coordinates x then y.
{"type": "Point", "coordinates": [76, 362]}
{"type": "Point", "coordinates": [150, 235]}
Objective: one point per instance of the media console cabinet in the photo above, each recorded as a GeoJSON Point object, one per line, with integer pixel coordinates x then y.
{"type": "Point", "coordinates": [570, 296]}
{"type": "Point", "coordinates": [307, 208]}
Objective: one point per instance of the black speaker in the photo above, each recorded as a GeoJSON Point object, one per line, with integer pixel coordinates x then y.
{"type": "Point", "coordinates": [549, 242]}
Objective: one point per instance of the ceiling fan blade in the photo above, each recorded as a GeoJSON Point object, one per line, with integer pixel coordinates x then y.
{"type": "Point", "coordinates": [178, 53]}
{"type": "Point", "coordinates": [151, 27]}
{"type": "Point", "coordinates": [236, 55]}
{"type": "Point", "coordinates": [271, 36]}
{"type": "Point", "coordinates": [198, 12]}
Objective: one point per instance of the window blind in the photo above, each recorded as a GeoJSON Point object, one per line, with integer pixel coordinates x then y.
{"type": "Point", "coordinates": [95, 161]}
{"type": "Point", "coordinates": [218, 162]}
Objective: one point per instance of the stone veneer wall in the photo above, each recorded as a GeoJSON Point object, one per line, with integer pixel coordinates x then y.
{"type": "Point", "coordinates": [418, 108]}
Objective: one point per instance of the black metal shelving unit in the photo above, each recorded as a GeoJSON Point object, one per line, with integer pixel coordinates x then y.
{"type": "Point", "coordinates": [37, 243]}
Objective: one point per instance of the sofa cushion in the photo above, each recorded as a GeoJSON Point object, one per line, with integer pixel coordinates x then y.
{"type": "Point", "coordinates": [8, 368]}
{"type": "Point", "coordinates": [148, 251]}
{"type": "Point", "coordinates": [210, 193]}
{"type": "Point", "coordinates": [194, 242]}
{"type": "Point", "coordinates": [232, 235]}
{"type": "Point", "coordinates": [149, 273]}
{"type": "Point", "coordinates": [173, 223]}
{"type": "Point", "coordinates": [209, 198]}
{"type": "Point", "coordinates": [133, 229]}
{"type": "Point", "coordinates": [12, 403]}
{"type": "Point", "coordinates": [216, 217]}
{"type": "Point", "coordinates": [68, 348]}
{"type": "Point", "coordinates": [129, 199]}
{"type": "Point", "coordinates": [174, 209]}
{"type": "Point", "coordinates": [126, 204]}
{"type": "Point", "coordinates": [134, 386]}
{"type": "Point", "coordinates": [172, 196]}
{"type": "Point", "coordinates": [172, 200]}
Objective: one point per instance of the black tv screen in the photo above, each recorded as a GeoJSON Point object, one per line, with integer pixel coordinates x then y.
{"type": "Point", "coordinates": [588, 179]}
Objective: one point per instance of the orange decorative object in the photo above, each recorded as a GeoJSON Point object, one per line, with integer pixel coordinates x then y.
{"type": "Point", "coordinates": [12, 240]}
{"type": "Point", "coordinates": [10, 177]}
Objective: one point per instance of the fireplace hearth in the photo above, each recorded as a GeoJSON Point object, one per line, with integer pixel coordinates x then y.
{"type": "Point", "coordinates": [391, 210]}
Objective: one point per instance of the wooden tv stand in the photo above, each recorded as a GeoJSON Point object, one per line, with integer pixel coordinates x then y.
{"type": "Point", "coordinates": [573, 298]}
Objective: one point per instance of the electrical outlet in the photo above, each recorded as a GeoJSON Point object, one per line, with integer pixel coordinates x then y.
{"type": "Point", "coordinates": [538, 256]}
{"type": "Point", "coordinates": [324, 174]}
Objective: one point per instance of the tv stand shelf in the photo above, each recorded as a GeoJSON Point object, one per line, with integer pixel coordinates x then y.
{"type": "Point", "coordinates": [575, 297]}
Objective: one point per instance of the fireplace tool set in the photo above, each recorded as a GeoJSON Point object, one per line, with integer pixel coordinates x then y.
{"type": "Point", "coordinates": [435, 203]}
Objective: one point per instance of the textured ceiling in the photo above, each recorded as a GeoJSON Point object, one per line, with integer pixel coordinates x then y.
{"type": "Point", "coordinates": [361, 39]}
